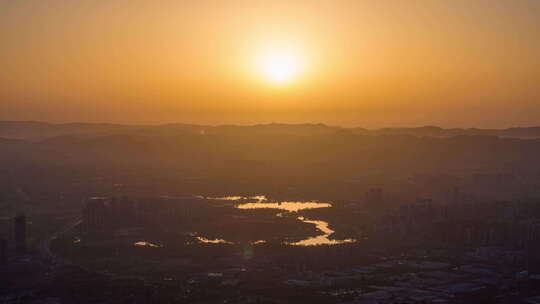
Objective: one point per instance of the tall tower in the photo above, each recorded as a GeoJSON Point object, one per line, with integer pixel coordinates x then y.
{"type": "Point", "coordinates": [3, 251]}
{"type": "Point", "coordinates": [20, 233]}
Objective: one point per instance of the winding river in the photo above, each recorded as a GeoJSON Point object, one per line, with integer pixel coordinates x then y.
{"type": "Point", "coordinates": [262, 202]}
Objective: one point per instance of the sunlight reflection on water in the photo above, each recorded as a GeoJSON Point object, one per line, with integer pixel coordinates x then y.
{"type": "Point", "coordinates": [287, 206]}
{"type": "Point", "coordinates": [214, 241]}
{"type": "Point", "coordinates": [146, 244]}
{"type": "Point", "coordinates": [261, 202]}
{"type": "Point", "coordinates": [320, 239]}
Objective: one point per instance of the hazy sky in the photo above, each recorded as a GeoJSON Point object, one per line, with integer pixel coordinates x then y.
{"type": "Point", "coordinates": [363, 63]}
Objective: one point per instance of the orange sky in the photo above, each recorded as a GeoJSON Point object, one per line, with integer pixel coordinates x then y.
{"type": "Point", "coordinates": [366, 63]}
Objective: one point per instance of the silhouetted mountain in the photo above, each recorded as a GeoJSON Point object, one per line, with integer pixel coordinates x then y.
{"type": "Point", "coordinates": [433, 131]}
{"type": "Point", "coordinates": [31, 130]}
{"type": "Point", "coordinates": [270, 151]}
{"type": "Point", "coordinates": [36, 131]}
{"type": "Point", "coordinates": [270, 156]}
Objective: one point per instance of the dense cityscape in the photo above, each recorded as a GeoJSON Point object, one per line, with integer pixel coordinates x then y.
{"type": "Point", "coordinates": [469, 236]}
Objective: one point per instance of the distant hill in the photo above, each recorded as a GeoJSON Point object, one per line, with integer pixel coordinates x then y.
{"type": "Point", "coordinates": [37, 131]}
{"type": "Point", "coordinates": [302, 149]}
{"type": "Point", "coordinates": [433, 131]}
{"type": "Point", "coordinates": [159, 159]}
{"type": "Point", "coordinates": [31, 130]}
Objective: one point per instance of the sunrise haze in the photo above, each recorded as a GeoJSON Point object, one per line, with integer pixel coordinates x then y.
{"type": "Point", "coordinates": [350, 63]}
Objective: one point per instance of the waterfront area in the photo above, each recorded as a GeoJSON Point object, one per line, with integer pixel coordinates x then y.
{"type": "Point", "coordinates": [262, 202]}
{"type": "Point", "coordinates": [137, 233]}
{"type": "Point", "coordinates": [404, 268]}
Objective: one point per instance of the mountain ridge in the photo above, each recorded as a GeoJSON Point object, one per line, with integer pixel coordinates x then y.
{"type": "Point", "coordinates": [37, 131]}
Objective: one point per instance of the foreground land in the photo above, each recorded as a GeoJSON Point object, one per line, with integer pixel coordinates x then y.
{"type": "Point", "coordinates": [438, 217]}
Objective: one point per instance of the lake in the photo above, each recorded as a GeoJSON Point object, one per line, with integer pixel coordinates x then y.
{"type": "Point", "coordinates": [262, 202]}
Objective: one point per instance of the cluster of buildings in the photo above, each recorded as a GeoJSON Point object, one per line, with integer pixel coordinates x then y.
{"type": "Point", "coordinates": [101, 214]}
{"type": "Point", "coordinates": [488, 224]}
{"type": "Point", "coordinates": [410, 281]}
{"type": "Point", "coordinates": [20, 239]}
{"type": "Point", "coordinates": [457, 224]}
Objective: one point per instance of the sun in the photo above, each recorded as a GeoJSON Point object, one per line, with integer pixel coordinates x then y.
{"type": "Point", "coordinates": [280, 65]}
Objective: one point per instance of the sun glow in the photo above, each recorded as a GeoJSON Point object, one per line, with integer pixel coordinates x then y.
{"type": "Point", "coordinates": [280, 65]}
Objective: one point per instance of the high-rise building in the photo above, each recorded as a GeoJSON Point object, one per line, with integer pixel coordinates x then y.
{"type": "Point", "coordinates": [95, 214]}
{"type": "Point", "coordinates": [20, 233]}
{"type": "Point", "coordinates": [3, 251]}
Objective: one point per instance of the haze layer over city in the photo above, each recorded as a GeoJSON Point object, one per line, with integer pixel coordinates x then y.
{"type": "Point", "coordinates": [269, 151]}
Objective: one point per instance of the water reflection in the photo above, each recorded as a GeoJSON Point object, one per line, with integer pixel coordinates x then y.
{"type": "Point", "coordinates": [262, 202]}
{"type": "Point", "coordinates": [287, 206]}
{"type": "Point", "coordinates": [215, 241]}
{"type": "Point", "coordinates": [146, 244]}
{"type": "Point", "coordinates": [320, 239]}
